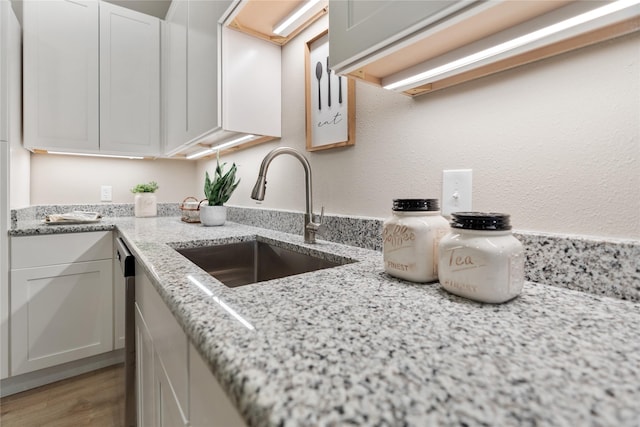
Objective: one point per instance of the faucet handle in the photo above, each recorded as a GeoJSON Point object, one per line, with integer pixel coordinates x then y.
{"type": "Point", "coordinates": [314, 227]}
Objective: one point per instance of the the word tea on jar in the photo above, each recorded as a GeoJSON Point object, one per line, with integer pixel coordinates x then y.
{"type": "Point", "coordinates": [480, 259]}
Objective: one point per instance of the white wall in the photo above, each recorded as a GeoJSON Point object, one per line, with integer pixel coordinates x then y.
{"type": "Point", "coordinates": [556, 144]}
{"type": "Point", "coordinates": [57, 179]}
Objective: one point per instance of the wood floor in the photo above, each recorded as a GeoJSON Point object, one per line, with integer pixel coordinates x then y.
{"type": "Point", "coordinates": [92, 399]}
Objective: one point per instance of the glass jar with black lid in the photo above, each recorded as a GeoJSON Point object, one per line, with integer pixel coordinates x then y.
{"type": "Point", "coordinates": [410, 239]}
{"type": "Point", "coordinates": [480, 259]}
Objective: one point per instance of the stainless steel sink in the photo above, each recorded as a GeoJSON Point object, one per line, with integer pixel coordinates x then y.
{"type": "Point", "coordinates": [237, 264]}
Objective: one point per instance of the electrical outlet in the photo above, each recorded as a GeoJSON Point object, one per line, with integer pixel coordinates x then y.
{"type": "Point", "coordinates": [106, 193]}
{"type": "Point", "coordinates": [456, 191]}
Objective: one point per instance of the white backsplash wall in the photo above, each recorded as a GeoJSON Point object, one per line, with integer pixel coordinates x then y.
{"type": "Point", "coordinates": [59, 179]}
{"type": "Point", "coordinates": [556, 144]}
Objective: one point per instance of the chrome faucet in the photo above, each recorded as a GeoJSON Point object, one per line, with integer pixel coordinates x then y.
{"type": "Point", "coordinates": [310, 227]}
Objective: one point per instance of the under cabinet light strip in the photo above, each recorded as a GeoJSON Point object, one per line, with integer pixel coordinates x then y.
{"type": "Point", "coordinates": [515, 43]}
{"type": "Point", "coordinates": [96, 155]}
{"type": "Point", "coordinates": [210, 150]}
{"type": "Point", "coordinates": [200, 153]}
{"type": "Point", "coordinates": [282, 29]}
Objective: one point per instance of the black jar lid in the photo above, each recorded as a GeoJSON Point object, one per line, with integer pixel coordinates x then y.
{"type": "Point", "coordinates": [416, 205]}
{"type": "Point", "coordinates": [480, 221]}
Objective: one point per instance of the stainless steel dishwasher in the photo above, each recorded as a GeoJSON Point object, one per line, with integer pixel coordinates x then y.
{"type": "Point", "coordinates": [128, 267]}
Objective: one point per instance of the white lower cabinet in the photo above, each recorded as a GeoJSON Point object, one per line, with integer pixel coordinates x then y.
{"type": "Point", "coordinates": [61, 299]}
{"type": "Point", "coordinates": [168, 410]}
{"type": "Point", "coordinates": [210, 406]}
{"type": "Point", "coordinates": [174, 385]}
{"type": "Point", "coordinates": [145, 373]}
{"type": "Point", "coordinates": [163, 363]}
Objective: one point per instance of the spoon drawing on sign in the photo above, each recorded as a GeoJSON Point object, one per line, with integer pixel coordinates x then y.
{"type": "Point", "coordinates": [319, 76]}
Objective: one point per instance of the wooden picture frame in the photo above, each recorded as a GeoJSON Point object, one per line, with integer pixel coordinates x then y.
{"type": "Point", "coordinates": [330, 99]}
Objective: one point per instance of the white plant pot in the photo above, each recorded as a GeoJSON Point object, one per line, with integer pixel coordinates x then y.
{"type": "Point", "coordinates": [145, 205]}
{"type": "Point", "coordinates": [213, 215]}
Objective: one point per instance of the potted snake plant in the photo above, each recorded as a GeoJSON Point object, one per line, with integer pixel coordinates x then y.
{"type": "Point", "coordinates": [217, 191]}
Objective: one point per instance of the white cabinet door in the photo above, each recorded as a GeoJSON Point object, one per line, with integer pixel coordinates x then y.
{"type": "Point", "coordinates": [175, 80]}
{"type": "Point", "coordinates": [360, 27]}
{"type": "Point", "coordinates": [168, 410]}
{"type": "Point", "coordinates": [60, 313]}
{"type": "Point", "coordinates": [61, 75]}
{"type": "Point", "coordinates": [252, 91]}
{"type": "Point", "coordinates": [91, 78]}
{"type": "Point", "coordinates": [129, 81]}
{"type": "Point", "coordinates": [145, 373]}
{"type": "Point", "coordinates": [210, 406]}
{"type": "Point", "coordinates": [202, 66]}
{"type": "Point", "coordinates": [174, 385]}
{"type": "Point", "coordinates": [192, 81]}
{"type": "Point", "coordinates": [169, 340]}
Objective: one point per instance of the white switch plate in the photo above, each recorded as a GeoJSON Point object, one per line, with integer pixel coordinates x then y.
{"type": "Point", "coordinates": [456, 191]}
{"type": "Point", "coordinates": [106, 193]}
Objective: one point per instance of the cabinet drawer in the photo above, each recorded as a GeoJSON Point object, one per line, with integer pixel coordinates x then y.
{"type": "Point", "coordinates": [51, 249]}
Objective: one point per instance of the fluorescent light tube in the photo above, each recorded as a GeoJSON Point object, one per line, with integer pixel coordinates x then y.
{"type": "Point", "coordinates": [97, 155]}
{"type": "Point", "coordinates": [514, 43]}
{"type": "Point", "coordinates": [285, 27]}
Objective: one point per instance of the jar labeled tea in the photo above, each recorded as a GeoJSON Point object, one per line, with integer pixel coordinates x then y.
{"type": "Point", "coordinates": [410, 239]}
{"type": "Point", "coordinates": [480, 259]}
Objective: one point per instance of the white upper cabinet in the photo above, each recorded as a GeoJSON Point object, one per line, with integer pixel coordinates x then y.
{"type": "Point", "coordinates": [202, 69]}
{"type": "Point", "coordinates": [363, 27]}
{"type": "Point", "coordinates": [61, 75]}
{"type": "Point", "coordinates": [192, 88]}
{"type": "Point", "coordinates": [220, 85]}
{"type": "Point", "coordinates": [129, 81]}
{"type": "Point", "coordinates": [252, 87]}
{"type": "Point", "coordinates": [419, 46]}
{"type": "Point", "coordinates": [91, 78]}
{"type": "Point", "coordinates": [175, 75]}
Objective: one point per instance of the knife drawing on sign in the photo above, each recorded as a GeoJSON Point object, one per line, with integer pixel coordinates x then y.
{"type": "Point", "coordinates": [328, 83]}
{"type": "Point", "coordinates": [340, 89]}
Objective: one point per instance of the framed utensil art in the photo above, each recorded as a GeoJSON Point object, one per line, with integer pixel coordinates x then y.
{"type": "Point", "coordinates": [330, 99]}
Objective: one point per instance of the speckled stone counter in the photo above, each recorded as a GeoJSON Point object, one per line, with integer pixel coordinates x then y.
{"type": "Point", "coordinates": [353, 346]}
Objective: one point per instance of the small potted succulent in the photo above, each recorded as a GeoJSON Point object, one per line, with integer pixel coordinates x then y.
{"type": "Point", "coordinates": [145, 204]}
{"type": "Point", "coordinates": [217, 191]}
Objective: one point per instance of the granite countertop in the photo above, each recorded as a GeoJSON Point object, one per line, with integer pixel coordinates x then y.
{"type": "Point", "coordinates": [352, 345]}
